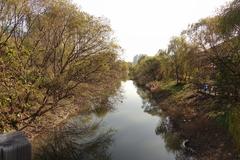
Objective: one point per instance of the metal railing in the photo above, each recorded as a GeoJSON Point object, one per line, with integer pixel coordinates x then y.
{"type": "Point", "coordinates": [15, 146]}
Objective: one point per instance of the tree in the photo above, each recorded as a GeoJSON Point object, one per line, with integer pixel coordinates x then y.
{"type": "Point", "coordinates": [218, 41]}
{"type": "Point", "coordinates": [228, 59]}
{"type": "Point", "coordinates": [178, 50]}
{"type": "Point", "coordinates": [48, 50]}
{"type": "Point", "coordinates": [147, 69]}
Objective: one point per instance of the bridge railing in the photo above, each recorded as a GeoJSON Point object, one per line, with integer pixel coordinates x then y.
{"type": "Point", "coordinates": [15, 146]}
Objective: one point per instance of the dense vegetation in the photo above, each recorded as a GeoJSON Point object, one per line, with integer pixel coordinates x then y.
{"type": "Point", "coordinates": [196, 81]}
{"type": "Point", "coordinates": [53, 55]}
{"type": "Point", "coordinates": [207, 52]}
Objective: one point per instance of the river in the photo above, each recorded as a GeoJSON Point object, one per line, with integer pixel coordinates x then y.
{"type": "Point", "coordinates": [128, 132]}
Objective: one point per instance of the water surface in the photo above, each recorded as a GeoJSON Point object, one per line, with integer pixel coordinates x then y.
{"type": "Point", "coordinates": [135, 137]}
{"type": "Point", "coordinates": [126, 133]}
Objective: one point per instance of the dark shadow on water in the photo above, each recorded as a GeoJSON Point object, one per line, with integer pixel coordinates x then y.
{"type": "Point", "coordinates": [198, 138]}
{"type": "Point", "coordinates": [86, 138]}
{"type": "Point", "coordinates": [174, 141]}
{"type": "Point", "coordinates": [154, 98]}
{"type": "Point", "coordinates": [78, 140]}
{"type": "Point", "coordinates": [82, 138]}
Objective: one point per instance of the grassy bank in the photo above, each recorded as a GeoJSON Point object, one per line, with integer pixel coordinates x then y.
{"type": "Point", "coordinates": [200, 119]}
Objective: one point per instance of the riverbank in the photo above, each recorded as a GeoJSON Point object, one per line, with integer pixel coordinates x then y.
{"type": "Point", "coordinates": [109, 134]}
{"type": "Point", "coordinates": [194, 117]}
{"type": "Point", "coordinates": [51, 120]}
{"type": "Point", "coordinates": [91, 99]}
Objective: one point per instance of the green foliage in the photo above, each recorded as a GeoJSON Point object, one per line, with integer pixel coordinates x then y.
{"type": "Point", "coordinates": [48, 50]}
{"type": "Point", "coordinates": [219, 43]}
{"type": "Point", "coordinates": [234, 124]}
{"type": "Point", "coordinates": [230, 19]}
{"type": "Point", "coordinates": [206, 52]}
{"type": "Point", "coordinates": [147, 70]}
{"type": "Point", "coordinates": [183, 58]}
{"type": "Point", "coordinates": [178, 63]}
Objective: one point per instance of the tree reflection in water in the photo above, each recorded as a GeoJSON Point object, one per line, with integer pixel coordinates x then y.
{"type": "Point", "coordinates": [148, 103]}
{"type": "Point", "coordinates": [78, 140]}
{"type": "Point", "coordinates": [84, 137]}
{"type": "Point", "coordinates": [172, 139]}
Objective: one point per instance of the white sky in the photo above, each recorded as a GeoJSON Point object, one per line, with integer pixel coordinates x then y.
{"type": "Point", "coordinates": [145, 26]}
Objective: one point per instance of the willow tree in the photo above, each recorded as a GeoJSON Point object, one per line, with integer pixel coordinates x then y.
{"type": "Point", "coordinates": [59, 49]}
{"type": "Point", "coordinates": [229, 61]}
{"type": "Point", "coordinates": [180, 53]}
{"type": "Point", "coordinates": [218, 39]}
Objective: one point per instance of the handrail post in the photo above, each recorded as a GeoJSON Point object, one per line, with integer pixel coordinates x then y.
{"type": "Point", "coordinates": [15, 146]}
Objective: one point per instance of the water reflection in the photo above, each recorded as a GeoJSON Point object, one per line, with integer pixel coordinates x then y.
{"type": "Point", "coordinates": [148, 103]}
{"type": "Point", "coordinates": [174, 142]}
{"type": "Point", "coordinates": [109, 104]}
{"type": "Point", "coordinates": [81, 139]}
{"type": "Point", "coordinates": [129, 126]}
{"type": "Point", "coordinates": [195, 138]}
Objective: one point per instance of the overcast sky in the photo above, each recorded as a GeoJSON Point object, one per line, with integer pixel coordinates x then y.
{"type": "Point", "coordinates": [145, 26]}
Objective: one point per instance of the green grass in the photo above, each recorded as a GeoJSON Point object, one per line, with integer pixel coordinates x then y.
{"type": "Point", "coordinates": [172, 86]}
{"type": "Point", "coordinates": [178, 91]}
